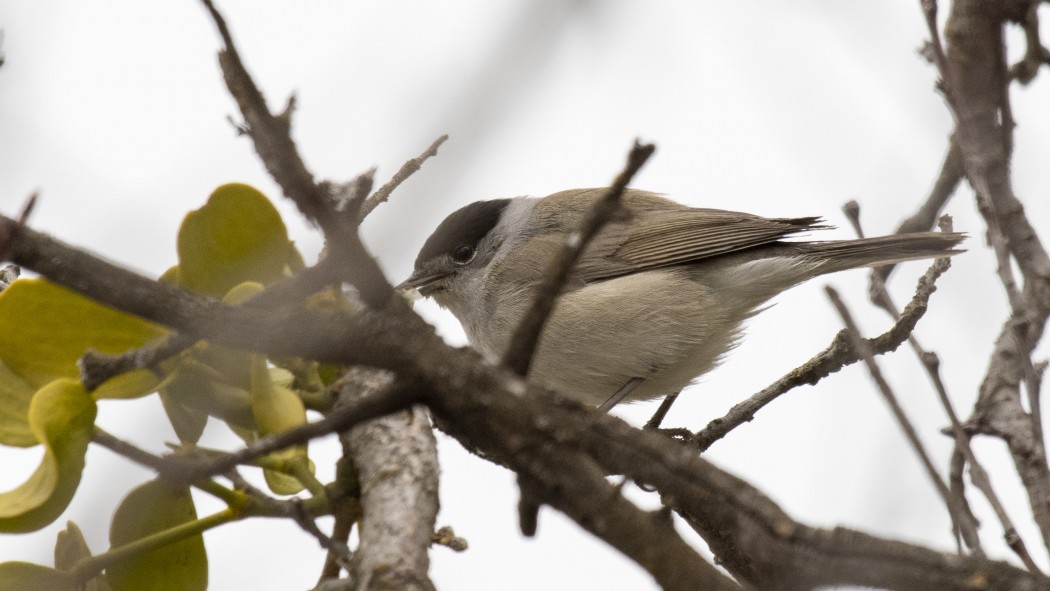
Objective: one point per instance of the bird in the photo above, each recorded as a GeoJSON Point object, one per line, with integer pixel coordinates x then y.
{"type": "Point", "coordinates": [657, 298]}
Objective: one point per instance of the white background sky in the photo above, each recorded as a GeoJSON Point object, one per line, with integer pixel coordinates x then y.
{"type": "Point", "coordinates": [115, 111]}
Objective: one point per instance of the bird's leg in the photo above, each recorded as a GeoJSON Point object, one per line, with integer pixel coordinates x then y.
{"type": "Point", "coordinates": [658, 416]}
{"type": "Point", "coordinates": [620, 394]}
{"type": "Point", "coordinates": [682, 435]}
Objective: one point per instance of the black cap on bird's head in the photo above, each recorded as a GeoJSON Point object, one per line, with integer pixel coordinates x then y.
{"type": "Point", "coordinates": [453, 244]}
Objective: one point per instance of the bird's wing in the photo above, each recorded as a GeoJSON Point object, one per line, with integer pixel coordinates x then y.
{"type": "Point", "coordinates": [655, 233]}
{"type": "Point", "coordinates": [659, 236]}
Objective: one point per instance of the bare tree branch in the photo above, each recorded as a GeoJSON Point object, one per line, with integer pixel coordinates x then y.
{"type": "Point", "coordinates": [294, 510]}
{"type": "Point", "coordinates": [270, 134]}
{"type": "Point", "coordinates": [962, 520]}
{"type": "Point", "coordinates": [964, 453]}
{"type": "Point", "coordinates": [397, 466]}
{"type": "Point", "coordinates": [925, 217]}
{"type": "Point", "coordinates": [27, 210]}
{"type": "Point", "coordinates": [836, 356]}
{"type": "Point", "coordinates": [96, 368]}
{"type": "Point", "coordinates": [561, 459]}
{"type": "Point", "coordinates": [760, 544]}
{"type": "Point", "coordinates": [491, 409]}
{"type": "Point", "coordinates": [407, 169]}
{"type": "Point", "coordinates": [541, 439]}
{"type": "Point", "coordinates": [1036, 54]}
{"type": "Point", "coordinates": [375, 403]}
{"type": "Point", "coordinates": [974, 74]}
{"type": "Point", "coordinates": [402, 343]}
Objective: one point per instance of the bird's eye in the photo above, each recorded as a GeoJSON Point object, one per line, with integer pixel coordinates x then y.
{"type": "Point", "coordinates": [463, 254]}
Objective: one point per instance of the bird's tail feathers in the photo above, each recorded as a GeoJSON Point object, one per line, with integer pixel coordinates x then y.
{"type": "Point", "coordinates": [883, 250]}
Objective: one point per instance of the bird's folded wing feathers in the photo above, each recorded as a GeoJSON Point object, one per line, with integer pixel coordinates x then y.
{"type": "Point", "coordinates": [663, 239]}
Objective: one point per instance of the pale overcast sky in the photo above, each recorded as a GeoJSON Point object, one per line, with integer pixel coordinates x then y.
{"type": "Point", "coordinates": [115, 111]}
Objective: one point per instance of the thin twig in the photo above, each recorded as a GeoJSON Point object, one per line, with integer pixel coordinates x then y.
{"type": "Point", "coordinates": [343, 242]}
{"type": "Point", "coordinates": [880, 296]}
{"type": "Point", "coordinates": [294, 510]}
{"type": "Point", "coordinates": [961, 519]}
{"type": "Point", "coordinates": [130, 451]}
{"type": "Point", "coordinates": [964, 451]}
{"type": "Point", "coordinates": [951, 174]}
{"type": "Point", "coordinates": [936, 49]}
{"type": "Point", "coordinates": [527, 335]}
{"type": "Point", "coordinates": [8, 275]}
{"type": "Point", "coordinates": [96, 367]}
{"type": "Point", "coordinates": [270, 134]}
{"type": "Point", "coordinates": [446, 536]}
{"type": "Point", "coordinates": [350, 196]}
{"type": "Point", "coordinates": [407, 169]}
{"type": "Point", "coordinates": [162, 465]}
{"type": "Point", "coordinates": [836, 356]}
{"type": "Point", "coordinates": [756, 540]}
{"type": "Point", "coordinates": [346, 514]}
{"type": "Point", "coordinates": [23, 217]}
{"type": "Point", "coordinates": [366, 407]}
{"type": "Point", "coordinates": [1036, 54]}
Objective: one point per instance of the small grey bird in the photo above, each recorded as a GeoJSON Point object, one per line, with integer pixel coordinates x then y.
{"type": "Point", "coordinates": [656, 299]}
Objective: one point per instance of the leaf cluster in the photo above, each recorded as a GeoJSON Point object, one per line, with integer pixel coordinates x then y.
{"type": "Point", "coordinates": [229, 249]}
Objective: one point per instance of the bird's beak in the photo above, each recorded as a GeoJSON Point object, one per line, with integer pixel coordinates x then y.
{"type": "Point", "coordinates": [420, 284]}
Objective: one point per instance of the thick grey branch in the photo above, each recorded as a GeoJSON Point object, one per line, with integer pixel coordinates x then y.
{"type": "Point", "coordinates": [397, 466]}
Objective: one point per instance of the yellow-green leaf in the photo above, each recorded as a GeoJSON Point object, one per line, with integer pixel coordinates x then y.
{"type": "Point", "coordinates": [188, 422]}
{"type": "Point", "coordinates": [23, 576]}
{"type": "Point", "coordinates": [149, 509]}
{"type": "Point", "coordinates": [242, 292]}
{"type": "Point", "coordinates": [237, 236]}
{"type": "Point", "coordinates": [62, 417]}
{"type": "Point", "coordinates": [282, 484]}
{"type": "Point", "coordinates": [46, 328]}
{"type": "Point", "coordinates": [229, 366]}
{"type": "Point", "coordinates": [15, 395]}
{"type": "Point", "coordinates": [276, 409]}
{"type": "Point", "coordinates": [171, 275]}
{"type": "Point", "coordinates": [282, 377]}
{"type": "Point", "coordinates": [130, 384]}
{"type": "Point", "coordinates": [70, 550]}
{"type": "Point", "coordinates": [194, 388]}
